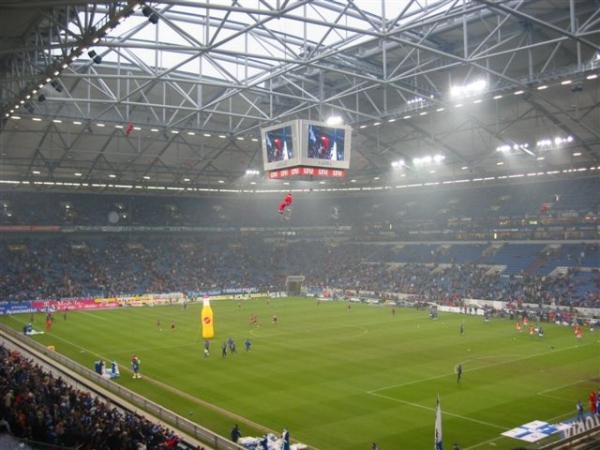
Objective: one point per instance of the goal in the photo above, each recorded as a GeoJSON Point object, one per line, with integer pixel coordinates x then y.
{"type": "Point", "coordinates": [293, 285]}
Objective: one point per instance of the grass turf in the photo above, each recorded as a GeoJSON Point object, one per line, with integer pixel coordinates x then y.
{"type": "Point", "coordinates": [340, 379]}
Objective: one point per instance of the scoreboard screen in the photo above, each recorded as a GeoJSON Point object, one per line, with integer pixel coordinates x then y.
{"type": "Point", "coordinates": [280, 146]}
{"type": "Point", "coordinates": [303, 143]}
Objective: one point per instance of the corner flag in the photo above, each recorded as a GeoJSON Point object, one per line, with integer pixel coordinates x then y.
{"type": "Point", "coordinates": [438, 426]}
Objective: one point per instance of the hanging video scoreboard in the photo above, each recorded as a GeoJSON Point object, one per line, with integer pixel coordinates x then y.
{"type": "Point", "coordinates": [306, 148]}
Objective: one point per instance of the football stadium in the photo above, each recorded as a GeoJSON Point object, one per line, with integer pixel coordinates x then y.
{"type": "Point", "coordinates": [300, 224]}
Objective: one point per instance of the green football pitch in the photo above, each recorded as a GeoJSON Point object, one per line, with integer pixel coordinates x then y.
{"type": "Point", "coordinates": [339, 378]}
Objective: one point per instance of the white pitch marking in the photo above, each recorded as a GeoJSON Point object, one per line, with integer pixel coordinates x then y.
{"type": "Point", "coordinates": [534, 355]}
{"type": "Point", "coordinates": [417, 405]}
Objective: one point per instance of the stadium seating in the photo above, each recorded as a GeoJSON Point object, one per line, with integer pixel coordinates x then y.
{"type": "Point", "coordinates": [226, 252]}
{"type": "Point", "coordinates": [107, 266]}
{"type": "Point", "coordinates": [40, 407]}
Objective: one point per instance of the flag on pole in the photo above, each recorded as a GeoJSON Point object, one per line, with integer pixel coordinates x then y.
{"type": "Point", "coordinates": [438, 426]}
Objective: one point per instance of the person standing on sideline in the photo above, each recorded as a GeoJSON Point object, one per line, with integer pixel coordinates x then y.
{"type": "Point", "coordinates": [236, 433]}
{"type": "Point", "coordinates": [374, 446]}
{"type": "Point", "coordinates": [459, 371]}
{"type": "Point", "coordinates": [462, 328]}
{"type": "Point", "coordinates": [580, 415]}
{"type": "Point", "coordinates": [285, 440]}
{"type": "Point", "coordinates": [593, 400]}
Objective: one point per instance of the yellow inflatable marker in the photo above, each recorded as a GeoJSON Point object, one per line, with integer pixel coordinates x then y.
{"type": "Point", "coordinates": [206, 318]}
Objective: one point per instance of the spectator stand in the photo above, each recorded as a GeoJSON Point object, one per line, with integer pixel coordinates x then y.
{"type": "Point", "coordinates": [192, 436]}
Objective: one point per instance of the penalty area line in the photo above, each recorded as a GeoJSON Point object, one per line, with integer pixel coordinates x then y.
{"type": "Point", "coordinates": [428, 408]}
{"type": "Point", "coordinates": [437, 377]}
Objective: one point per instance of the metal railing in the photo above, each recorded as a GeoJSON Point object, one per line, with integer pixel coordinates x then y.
{"type": "Point", "coordinates": [176, 421]}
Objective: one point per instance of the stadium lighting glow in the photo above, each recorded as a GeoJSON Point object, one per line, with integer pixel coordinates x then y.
{"type": "Point", "coordinates": [398, 164]}
{"type": "Point", "coordinates": [22, 102]}
{"type": "Point", "coordinates": [557, 141]}
{"type": "Point", "coordinates": [36, 172]}
{"type": "Point", "coordinates": [222, 136]}
{"type": "Point", "coordinates": [415, 100]}
{"type": "Point", "coordinates": [540, 158]}
{"type": "Point", "coordinates": [577, 154]}
{"type": "Point", "coordinates": [376, 124]}
{"type": "Point", "coordinates": [48, 80]}
{"type": "Point", "coordinates": [466, 90]}
{"type": "Point", "coordinates": [146, 177]}
{"type": "Point", "coordinates": [254, 140]}
{"type": "Point", "coordinates": [76, 122]}
{"type": "Point", "coordinates": [187, 180]}
{"type": "Point", "coordinates": [425, 160]}
{"type": "Point", "coordinates": [519, 92]}
{"type": "Point", "coordinates": [36, 119]}
{"type": "Point", "coordinates": [464, 167]}
{"type": "Point", "coordinates": [391, 120]}
{"type": "Point", "coordinates": [334, 120]}
{"type": "Point", "coordinates": [432, 172]}
{"type": "Point", "coordinates": [592, 76]}
{"type": "Point", "coordinates": [154, 130]}
{"type": "Point", "coordinates": [376, 178]}
{"type": "Point", "coordinates": [503, 148]}
{"type": "Point", "coordinates": [137, 128]}
{"type": "Point", "coordinates": [240, 138]}
{"type": "Point", "coordinates": [499, 163]}
{"type": "Point", "coordinates": [65, 65]}
{"type": "Point", "coordinates": [544, 143]}
{"type": "Point", "coordinates": [221, 181]}
{"type": "Point", "coordinates": [321, 182]}
{"type": "Point", "coordinates": [542, 87]}
{"type": "Point", "coordinates": [77, 174]}
{"type": "Point", "coordinates": [27, 97]}
{"type": "Point", "coordinates": [363, 126]}
{"type": "Point", "coordinates": [458, 105]}
{"type": "Point", "coordinates": [566, 82]}
{"type": "Point", "coordinates": [423, 113]}
{"type": "Point", "coordinates": [175, 131]}
{"type": "Point", "coordinates": [407, 117]}
{"type": "Point", "coordinates": [101, 125]}
{"type": "Point", "coordinates": [206, 134]}
{"type": "Point", "coordinates": [477, 101]}
{"type": "Point", "coordinates": [253, 182]}
{"type": "Point", "coordinates": [440, 109]}
{"type": "Point", "coordinates": [112, 175]}
{"type": "Point", "coordinates": [191, 133]}
{"type": "Point", "coordinates": [497, 97]}
{"type": "Point", "coordinates": [56, 72]}
{"type": "Point", "coordinates": [252, 172]}
{"type": "Point", "coordinates": [56, 120]}
{"type": "Point", "coordinates": [119, 127]}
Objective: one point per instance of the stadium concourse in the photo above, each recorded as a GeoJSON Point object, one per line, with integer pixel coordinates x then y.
{"type": "Point", "coordinates": [389, 152]}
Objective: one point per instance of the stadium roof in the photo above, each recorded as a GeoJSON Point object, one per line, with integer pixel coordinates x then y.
{"type": "Point", "coordinates": [493, 86]}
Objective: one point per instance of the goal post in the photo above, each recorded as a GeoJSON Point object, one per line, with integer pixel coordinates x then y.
{"type": "Point", "coordinates": [293, 285]}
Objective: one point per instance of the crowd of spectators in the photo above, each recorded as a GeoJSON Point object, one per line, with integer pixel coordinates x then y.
{"type": "Point", "coordinates": [105, 267]}
{"type": "Point", "coordinates": [565, 209]}
{"type": "Point", "coordinates": [37, 406]}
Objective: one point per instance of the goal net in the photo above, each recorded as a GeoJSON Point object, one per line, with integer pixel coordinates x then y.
{"type": "Point", "coordinates": [293, 285]}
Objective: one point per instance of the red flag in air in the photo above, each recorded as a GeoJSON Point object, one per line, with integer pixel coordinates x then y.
{"type": "Point", "coordinates": [129, 129]}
